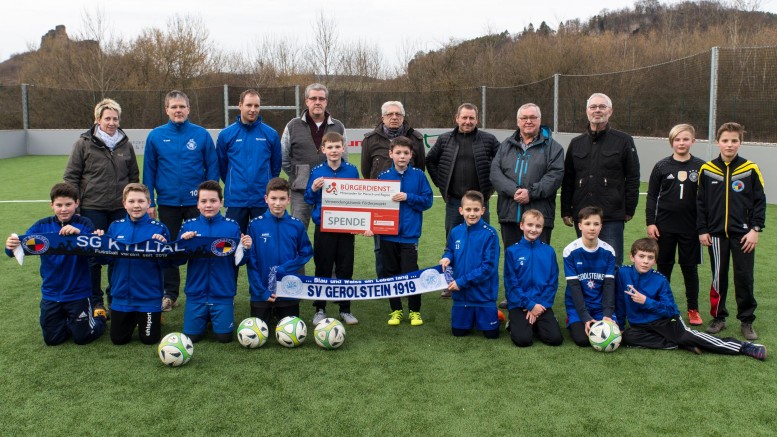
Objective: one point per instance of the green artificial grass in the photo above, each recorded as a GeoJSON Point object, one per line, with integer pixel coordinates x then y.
{"type": "Point", "coordinates": [385, 380]}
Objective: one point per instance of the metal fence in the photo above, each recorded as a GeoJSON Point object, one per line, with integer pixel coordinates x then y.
{"type": "Point", "coordinates": [723, 84]}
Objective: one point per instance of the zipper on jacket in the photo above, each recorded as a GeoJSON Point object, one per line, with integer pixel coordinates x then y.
{"type": "Point", "coordinates": [726, 187]}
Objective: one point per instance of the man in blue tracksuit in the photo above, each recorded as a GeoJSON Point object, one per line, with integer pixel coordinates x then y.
{"type": "Point", "coordinates": [179, 156]}
{"type": "Point", "coordinates": [249, 154]}
{"type": "Point", "coordinates": [65, 308]}
{"type": "Point", "coordinates": [531, 282]}
{"type": "Point", "coordinates": [210, 282]}
{"type": "Point", "coordinates": [400, 252]}
{"type": "Point", "coordinates": [473, 252]}
{"type": "Point", "coordinates": [137, 285]}
{"type": "Point", "coordinates": [280, 246]}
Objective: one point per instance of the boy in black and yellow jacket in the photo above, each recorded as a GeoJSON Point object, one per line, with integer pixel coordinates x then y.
{"type": "Point", "coordinates": [731, 212]}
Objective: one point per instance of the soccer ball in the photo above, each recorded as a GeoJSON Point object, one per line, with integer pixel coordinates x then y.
{"type": "Point", "coordinates": [176, 349]}
{"type": "Point", "coordinates": [604, 336]}
{"type": "Point", "coordinates": [291, 331]}
{"type": "Point", "coordinates": [329, 334]}
{"type": "Point", "coordinates": [252, 333]}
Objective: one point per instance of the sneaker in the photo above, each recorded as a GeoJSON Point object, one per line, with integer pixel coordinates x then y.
{"type": "Point", "coordinates": [415, 318]}
{"type": "Point", "coordinates": [757, 351]}
{"type": "Point", "coordinates": [503, 304]}
{"type": "Point", "coordinates": [396, 317]}
{"type": "Point", "coordinates": [319, 316]}
{"type": "Point", "coordinates": [349, 319]}
{"type": "Point", "coordinates": [168, 304]}
{"type": "Point", "coordinates": [748, 332]}
{"type": "Point", "coordinates": [446, 294]}
{"type": "Point", "coordinates": [99, 311]}
{"type": "Point", "coordinates": [716, 326]}
{"type": "Point", "coordinates": [694, 318]}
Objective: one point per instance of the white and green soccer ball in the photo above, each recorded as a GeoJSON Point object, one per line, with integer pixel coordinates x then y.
{"type": "Point", "coordinates": [329, 334]}
{"type": "Point", "coordinates": [175, 349]}
{"type": "Point", "coordinates": [605, 336]}
{"type": "Point", "coordinates": [291, 331]}
{"type": "Point", "coordinates": [252, 333]}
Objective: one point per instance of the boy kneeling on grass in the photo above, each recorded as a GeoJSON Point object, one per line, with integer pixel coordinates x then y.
{"type": "Point", "coordinates": [65, 306]}
{"type": "Point", "coordinates": [654, 318]}
{"type": "Point", "coordinates": [531, 282]}
{"type": "Point", "coordinates": [473, 252]}
{"type": "Point", "coordinates": [210, 282]}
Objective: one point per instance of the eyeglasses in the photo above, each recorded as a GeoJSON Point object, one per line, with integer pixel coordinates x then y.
{"type": "Point", "coordinates": [393, 114]}
{"type": "Point", "coordinates": [319, 99]}
{"type": "Point", "coordinates": [599, 107]}
{"type": "Point", "coordinates": [528, 118]}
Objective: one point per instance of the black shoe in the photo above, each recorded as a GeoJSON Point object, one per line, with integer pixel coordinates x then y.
{"type": "Point", "coordinates": [757, 351]}
{"type": "Point", "coordinates": [716, 326]}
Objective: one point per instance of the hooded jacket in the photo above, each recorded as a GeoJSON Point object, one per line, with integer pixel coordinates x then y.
{"type": "Point", "coordinates": [99, 173]}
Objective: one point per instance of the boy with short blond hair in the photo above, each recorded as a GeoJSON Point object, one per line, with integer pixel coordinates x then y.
{"type": "Point", "coordinates": [280, 247]}
{"type": "Point", "coordinates": [137, 285]}
{"type": "Point", "coordinates": [331, 249]}
{"type": "Point", "coordinates": [531, 281]}
{"type": "Point", "coordinates": [65, 308]}
{"type": "Point", "coordinates": [473, 251]}
{"type": "Point", "coordinates": [400, 252]}
{"type": "Point", "coordinates": [654, 318]}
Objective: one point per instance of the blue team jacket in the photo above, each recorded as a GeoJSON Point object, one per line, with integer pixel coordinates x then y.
{"type": "Point", "coordinates": [65, 278]}
{"type": "Point", "coordinates": [531, 274]}
{"type": "Point", "coordinates": [660, 303]}
{"type": "Point", "coordinates": [346, 170]}
{"type": "Point", "coordinates": [474, 254]}
{"type": "Point", "coordinates": [249, 156]}
{"type": "Point", "coordinates": [281, 242]}
{"type": "Point", "coordinates": [212, 280]}
{"type": "Point", "coordinates": [137, 284]}
{"type": "Point", "coordinates": [413, 182]}
{"type": "Point", "coordinates": [178, 157]}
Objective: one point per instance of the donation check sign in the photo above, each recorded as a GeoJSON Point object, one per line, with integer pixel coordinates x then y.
{"type": "Point", "coordinates": [356, 205]}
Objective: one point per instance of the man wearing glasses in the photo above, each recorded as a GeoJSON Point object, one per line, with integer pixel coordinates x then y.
{"type": "Point", "coordinates": [375, 152]}
{"type": "Point", "coordinates": [301, 144]}
{"type": "Point", "coordinates": [601, 169]}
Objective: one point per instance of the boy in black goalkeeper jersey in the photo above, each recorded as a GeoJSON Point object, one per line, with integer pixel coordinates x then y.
{"type": "Point", "coordinates": [671, 214]}
{"type": "Point", "coordinates": [731, 212]}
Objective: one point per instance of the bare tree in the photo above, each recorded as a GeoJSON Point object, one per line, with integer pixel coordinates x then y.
{"type": "Point", "coordinates": [102, 66]}
{"type": "Point", "coordinates": [322, 53]}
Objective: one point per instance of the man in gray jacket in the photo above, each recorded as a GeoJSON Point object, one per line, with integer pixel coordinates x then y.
{"type": "Point", "coordinates": [526, 173]}
{"type": "Point", "coordinates": [301, 144]}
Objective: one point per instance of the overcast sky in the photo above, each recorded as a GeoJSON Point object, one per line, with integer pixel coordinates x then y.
{"type": "Point", "coordinates": [235, 25]}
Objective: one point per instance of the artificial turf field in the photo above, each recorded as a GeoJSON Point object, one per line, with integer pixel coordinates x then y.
{"type": "Point", "coordinates": [385, 380]}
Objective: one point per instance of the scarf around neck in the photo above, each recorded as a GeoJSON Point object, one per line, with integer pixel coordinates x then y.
{"type": "Point", "coordinates": [110, 140]}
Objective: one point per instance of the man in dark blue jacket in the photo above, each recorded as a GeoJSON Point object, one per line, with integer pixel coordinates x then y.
{"type": "Point", "coordinates": [179, 156]}
{"type": "Point", "coordinates": [249, 154]}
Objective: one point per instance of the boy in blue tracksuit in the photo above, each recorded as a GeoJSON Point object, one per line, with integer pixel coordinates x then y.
{"type": "Point", "coordinates": [210, 282]}
{"type": "Point", "coordinates": [654, 318]}
{"type": "Point", "coordinates": [65, 308]}
{"type": "Point", "coordinates": [280, 246]}
{"type": "Point", "coordinates": [589, 268]}
{"type": "Point", "coordinates": [400, 252]}
{"type": "Point", "coordinates": [473, 252]}
{"type": "Point", "coordinates": [179, 155]}
{"type": "Point", "coordinates": [331, 249]}
{"type": "Point", "coordinates": [531, 281]}
{"type": "Point", "coordinates": [249, 154]}
{"type": "Point", "coordinates": [137, 285]}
